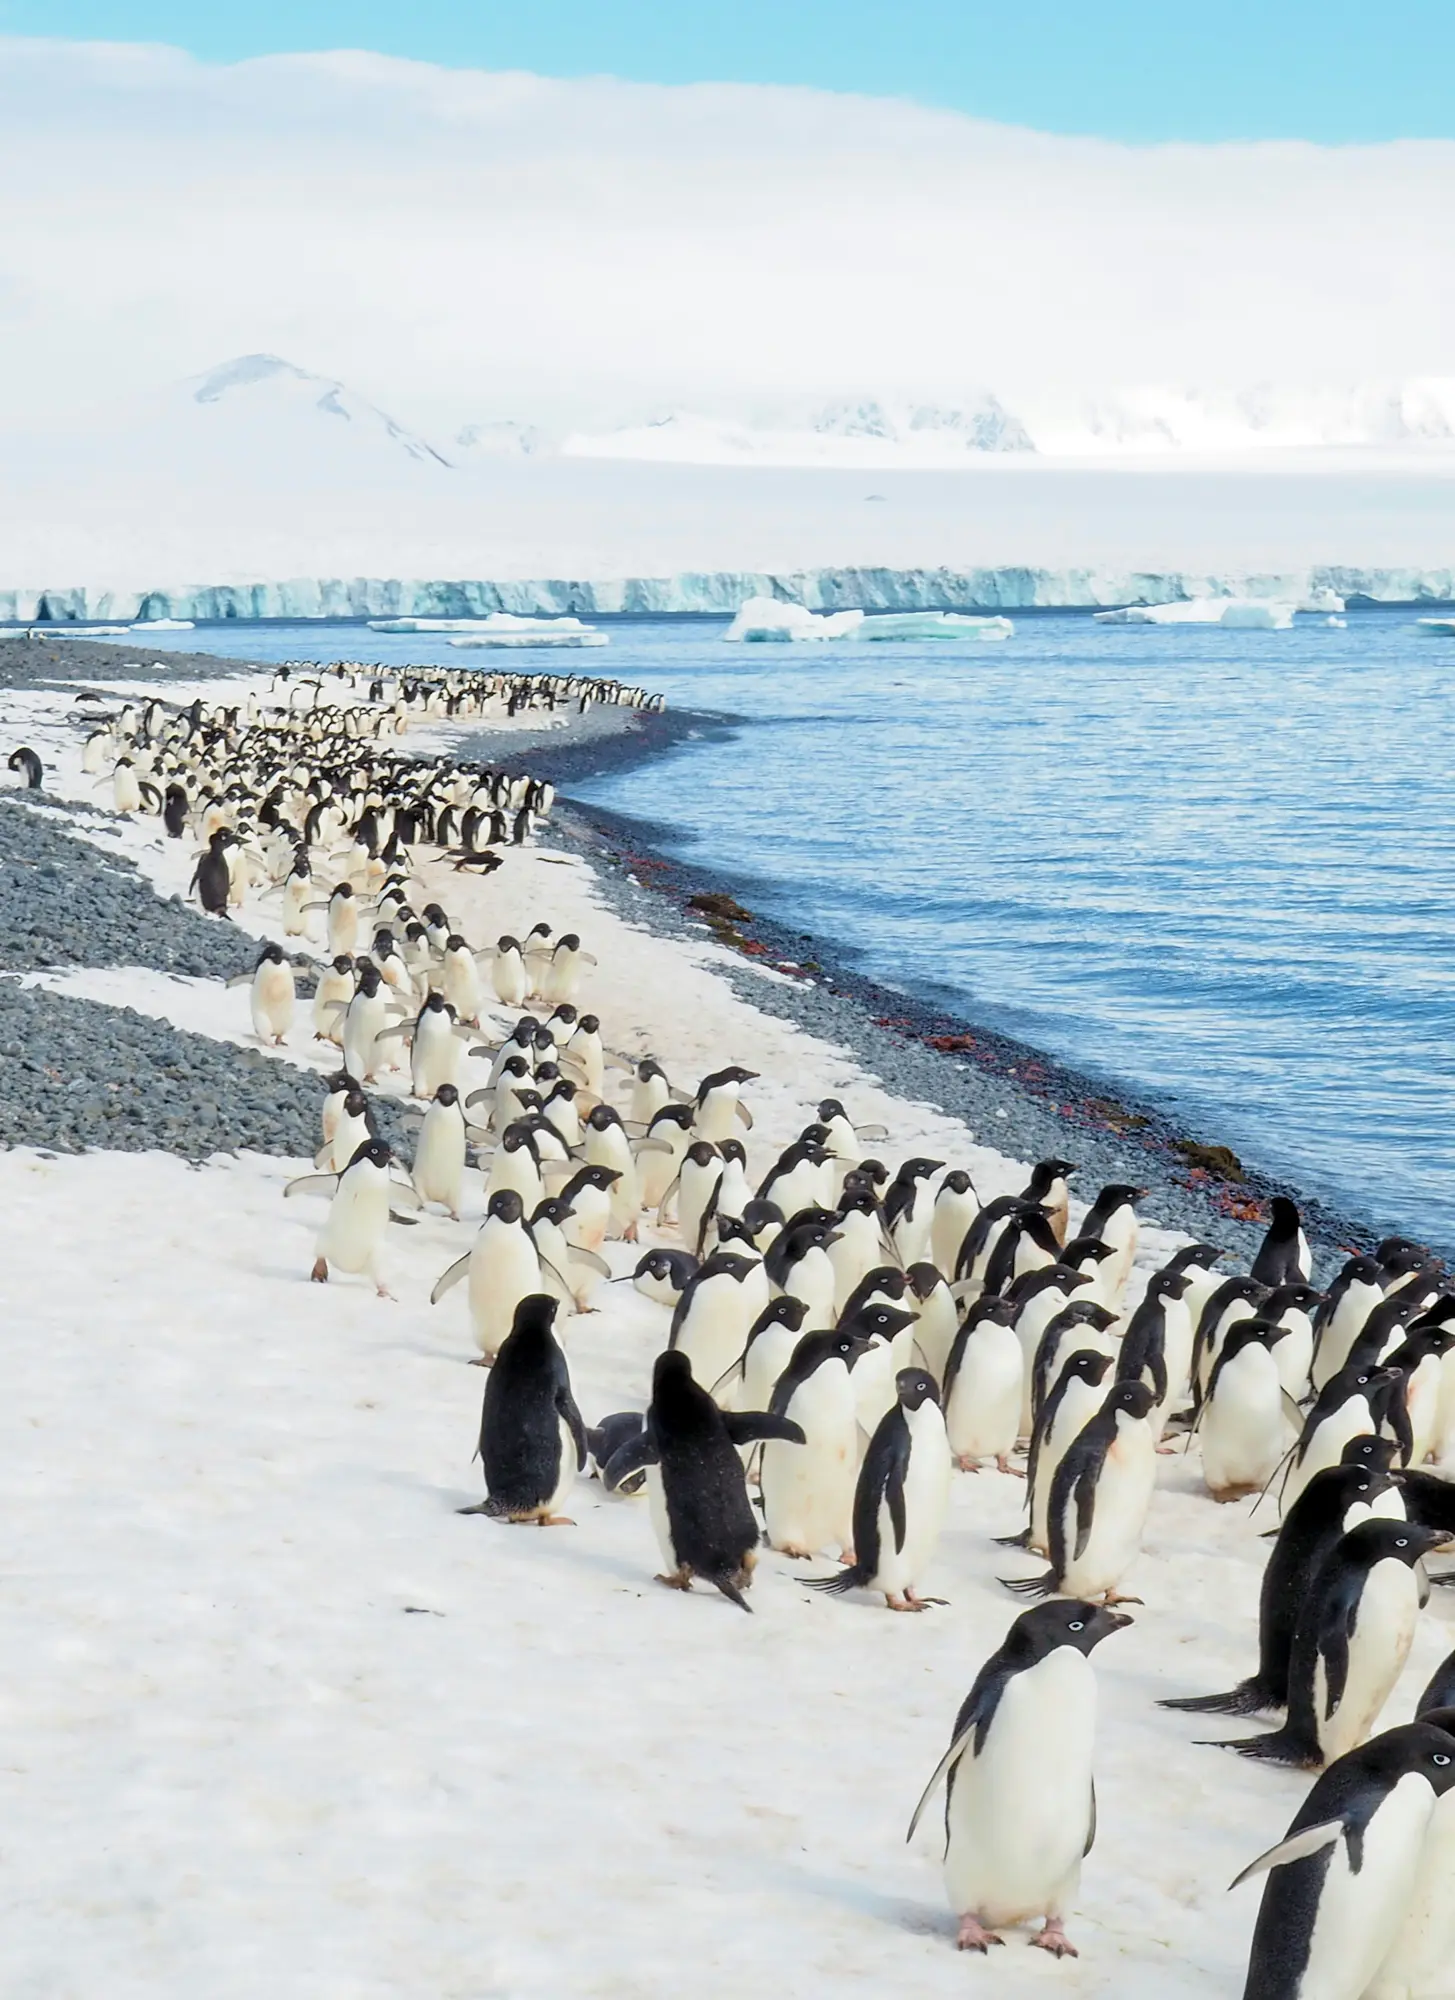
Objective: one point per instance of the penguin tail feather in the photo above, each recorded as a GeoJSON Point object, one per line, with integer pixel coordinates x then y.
{"type": "Point", "coordinates": [1020, 1541]}
{"type": "Point", "coordinates": [840, 1585]}
{"type": "Point", "coordinates": [1278, 1747]}
{"type": "Point", "coordinates": [1247, 1698]}
{"type": "Point", "coordinates": [1032, 1586]}
{"type": "Point", "coordinates": [730, 1591]}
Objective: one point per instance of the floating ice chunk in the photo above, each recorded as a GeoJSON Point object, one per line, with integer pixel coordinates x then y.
{"type": "Point", "coordinates": [932, 625]}
{"type": "Point", "coordinates": [773, 620]}
{"type": "Point", "coordinates": [1322, 600]}
{"type": "Point", "coordinates": [504, 628]}
{"type": "Point", "coordinates": [1443, 626]}
{"type": "Point", "coordinates": [1341, 623]}
{"type": "Point", "coordinates": [163, 625]}
{"type": "Point", "coordinates": [1249, 613]}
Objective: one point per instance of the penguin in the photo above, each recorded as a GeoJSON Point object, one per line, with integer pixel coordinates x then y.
{"type": "Point", "coordinates": [974, 1254]}
{"type": "Point", "coordinates": [589, 1193]}
{"type": "Point", "coordinates": [1416, 1965]}
{"type": "Point", "coordinates": [1283, 1256]}
{"type": "Point", "coordinates": [1231, 1302]}
{"type": "Point", "coordinates": [800, 1178]}
{"type": "Point", "coordinates": [651, 1092]}
{"type": "Point", "coordinates": [660, 1153]}
{"type": "Point", "coordinates": [1341, 1317]}
{"type": "Point", "coordinates": [1082, 1325]}
{"type": "Point", "coordinates": [1076, 1393]}
{"type": "Point", "coordinates": [1291, 1308]}
{"type": "Point", "coordinates": [938, 1322]}
{"type": "Point", "coordinates": [438, 1172]}
{"type": "Point", "coordinates": [909, 1210]}
{"type": "Point", "coordinates": [718, 1105]}
{"type": "Point", "coordinates": [1342, 1879]}
{"type": "Point", "coordinates": [605, 1439]}
{"type": "Point", "coordinates": [211, 878]}
{"type": "Point", "coordinates": [1047, 1189]}
{"type": "Point", "coordinates": [343, 920]}
{"type": "Point", "coordinates": [857, 1245]}
{"type": "Point", "coordinates": [888, 1336]}
{"type": "Point", "coordinates": [1112, 1220]}
{"type": "Point", "coordinates": [808, 1494]}
{"type": "Point", "coordinates": [508, 973]}
{"type": "Point", "coordinates": [956, 1207]}
{"type": "Point", "coordinates": [365, 1019]}
{"type": "Point", "coordinates": [1020, 1804]}
{"type": "Point", "coordinates": [331, 997]}
{"type": "Point", "coordinates": [272, 998]}
{"type": "Point", "coordinates": [516, 1164]}
{"type": "Point", "coordinates": [1040, 1297]}
{"type": "Point", "coordinates": [1195, 1261]}
{"type": "Point", "coordinates": [25, 760]}
{"type": "Point", "coordinates": [532, 1439]}
{"type": "Point", "coordinates": [1350, 1404]}
{"type": "Point", "coordinates": [1157, 1345]}
{"type": "Point", "coordinates": [565, 1274]}
{"type": "Point", "coordinates": [1099, 1501]}
{"type": "Point", "coordinates": [434, 1048]}
{"type": "Point", "coordinates": [1334, 1501]}
{"type": "Point", "coordinates": [1026, 1244]}
{"type": "Point", "coordinates": [662, 1275]}
{"type": "Point", "coordinates": [1350, 1641]}
{"type": "Point", "coordinates": [460, 980]}
{"type": "Point", "coordinates": [983, 1386]}
{"type": "Point", "coordinates": [798, 1264]}
{"type": "Point", "coordinates": [568, 964]}
{"type": "Point", "coordinates": [503, 1267]}
{"type": "Point", "coordinates": [1244, 1415]}
{"type": "Point", "coordinates": [605, 1144]}
{"type": "Point", "coordinates": [695, 1483]}
{"type": "Point", "coordinates": [353, 1126]}
{"type": "Point", "coordinates": [697, 1177]}
{"type": "Point", "coordinates": [771, 1340]}
{"type": "Point", "coordinates": [352, 1236]}
{"type": "Point", "coordinates": [710, 1322]}
{"type": "Point", "coordinates": [900, 1498]}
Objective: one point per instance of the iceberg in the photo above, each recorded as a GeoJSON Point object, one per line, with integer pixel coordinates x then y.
{"type": "Point", "coordinates": [918, 625]}
{"type": "Point", "coordinates": [771, 620]}
{"type": "Point", "coordinates": [501, 628]}
{"type": "Point", "coordinates": [1247, 614]}
{"type": "Point", "coordinates": [1444, 627]}
{"type": "Point", "coordinates": [164, 625]}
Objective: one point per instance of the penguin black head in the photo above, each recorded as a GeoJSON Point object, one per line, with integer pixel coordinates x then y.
{"type": "Point", "coordinates": [1086, 1312]}
{"type": "Point", "coordinates": [368, 978]}
{"type": "Point", "coordinates": [957, 1181]}
{"type": "Point", "coordinates": [814, 1135]}
{"type": "Point", "coordinates": [761, 1216]}
{"type": "Point", "coordinates": [914, 1388]}
{"type": "Point", "coordinates": [1044, 1176]}
{"type": "Point", "coordinates": [436, 1003]}
{"type": "Point", "coordinates": [506, 1206]}
{"type": "Point", "coordinates": [375, 1151]}
{"type": "Point", "coordinates": [1376, 1453]}
{"type": "Point", "coordinates": [340, 1080]}
{"type": "Point", "coordinates": [1086, 1365]}
{"type": "Point", "coordinates": [1402, 1259]}
{"type": "Point", "coordinates": [1062, 1622]}
{"type": "Point", "coordinates": [344, 892]}
{"type": "Point", "coordinates": [1168, 1284]}
{"type": "Point", "coordinates": [1130, 1399]}
{"type": "Point", "coordinates": [565, 1014]}
{"type": "Point", "coordinates": [568, 941]}
{"type": "Point", "coordinates": [447, 1094]}
{"type": "Point", "coordinates": [734, 1073]}
{"type": "Point", "coordinates": [1085, 1250]}
{"type": "Point", "coordinates": [271, 954]}
{"type": "Point", "coordinates": [454, 942]}
{"type": "Point", "coordinates": [1206, 1254]}
{"type": "Point", "coordinates": [785, 1311]}
{"type": "Point", "coordinates": [830, 1108]}
{"type": "Point", "coordinates": [1290, 1298]}
{"type": "Point", "coordinates": [733, 1149]}
{"type": "Point", "coordinates": [701, 1153]}
{"type": "Point", "coordinates": [603, 1117]}
{"type": "Point", "coordinates": [923, 1279]}
{"type": "Point", "coordinates": [868, 1173]}
{"type": "Point", "coordinates": [878, 1322]}
{"type": "Point", "coordinates": [596, 1177]}
{"type": "Point", "coordinates": [858, 1201]}
{"type": "Point", "coordinates": [504, 944]}
{"type": "Point", "coordinates": [343, 963]}
{"type": "Point", "coordinates": [917, 1170]}
{"type": "Point", "coordinates": [587, 1024]}
{"type": "Point", "coordinates": [536, 1313]}
{"type": "Point", "coordinates": [356, 1105]}
{"type": "Point", "coordinates": [732, 1229]}
{"type": "Point", "coordinates": [676, 1265]}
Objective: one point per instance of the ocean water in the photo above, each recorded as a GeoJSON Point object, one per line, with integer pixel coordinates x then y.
{"type": "Point", "coordinates": [1215, 866]}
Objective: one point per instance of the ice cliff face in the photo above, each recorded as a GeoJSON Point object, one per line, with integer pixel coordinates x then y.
{"type": "Point", "coordinates": [718, 591]}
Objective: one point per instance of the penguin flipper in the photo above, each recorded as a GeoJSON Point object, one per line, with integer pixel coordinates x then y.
{"type": "Point", "coordinates": [311, 1184]}
{"type": "Point", "coordinates": [751, 1426]}
{"type": "Point", "coordinates": [959, 1745]}
{"type": "Point", "coordinates": [744, 1114]}
{"type": "Point", "coordinates": [591, 1259]}
{"type": "Point", "coordinates": [450, 1277]}
{"type": "Point", "coordinates": [570, 1415]}
{"type": "Point", "coordinates": [1297, 1847]}
{"type": "Point", "coordinates": [1091, 1824]}
{"type": "Point", "coordinates": [634, 1456]}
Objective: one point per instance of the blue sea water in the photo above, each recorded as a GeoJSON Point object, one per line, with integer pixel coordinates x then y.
{"type": "Point", "coordinates": [1216, 866]}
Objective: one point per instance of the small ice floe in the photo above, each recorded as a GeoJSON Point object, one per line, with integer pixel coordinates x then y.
{"type": "Point", "coordinates": [773, 621]}
{"type": "Point", "coordinates": [936, 625]}
{"type": "Point", "coordinates": [161, 625]}
{"type": "Point", "coordinates": [1443, 626]}
{"type": "Point", "coordinates": [1252, 614]}
{"type": "Point", "coordinates": [500, 628]}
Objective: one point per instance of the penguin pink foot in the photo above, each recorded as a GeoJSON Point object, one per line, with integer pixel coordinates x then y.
{"type": "Point", "coordinates": [319, 1273]}
{"type": "Point", "coordinates": [680, 1579]}
{"type": "Point", "coordinates": [1004, 1465]}
{"type": "Point", "coordinates": [1053, 1939]}
{"type": "Point", "coordinates": [974, 1937]}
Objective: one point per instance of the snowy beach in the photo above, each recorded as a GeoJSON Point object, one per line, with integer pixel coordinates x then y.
{"type": "Point", "coordinates": [276, 1714]}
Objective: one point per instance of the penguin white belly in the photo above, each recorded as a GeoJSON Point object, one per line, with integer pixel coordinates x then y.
{"type": "Point", "coordinates": [354, 1229]}
{"type": "Point", "coordinates": [1031, 1324]}
{"type": "Point", "coordinates": [935, 1330]}
{"type": "Point", "coordinates": [1294, 1355]}
{"type": "Point", "coordinates": [657, 1171]}
{"type": "Point", "coordinates": [1020, 1812]}
{"type": "Point", "coordinates": [812, 1280]}
{"type": "Point", "coordinates": [1359, 1916]}
{"type": "Point", "coordinates": [1123, 1495]}
{"type": "Point", "coordinates": [1244, 1429]}
{"type": "Point", "coordinates": [949, 1226]}
{"type": "Point", "coordinates": [1445, 1420]}
{"type": "Point", "coordinates": [517, 1172]}
{"type": "Point", "coordinates": [1327, 1447]}
{"type": "Point", "coordinates": [348, 1135]}
{"type": "Point", "coordinates": [1077, 1407]}
{"type": "Point", "coordinates": [439, 1162]}
{"type": "Point", "coordinates": [1177, 1359]}
{"type": "Point", "coordinates": [1422, 1395]}
{"type": "Point", "coordinates": [1388, 1608]}
{"type": "Point", "coordinates": [715, 1331]}
{"type": "Point", "coordinates": [984, 1409]}
{"type": "Point", "coordinates": [768, 1356]}
{"type": "Point", "coordinates": [808, 1489]}
{"type": "Point", "coordinates": [434, 1059]}
{"type": "Point", "coordinates": [507, 975]}
{"type": "Point", "coordinates": [567, 1476]}
{"type": "Point", "coordinates": [854, 1255]}
{"type": "Point", "coordinates": [272, 1001]}
{"type": "Point", "coordinates": [926, 1498]}
{"type": "Point", "coordinates": [504, 1269]}
{"type": "Point", "coordinates": [873, 1380]}
{"type": "Point", "coordinates": [1420, 1964]}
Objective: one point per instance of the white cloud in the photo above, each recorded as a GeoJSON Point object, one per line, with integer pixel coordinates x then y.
{"type": "Point", "coordinates": [464, 245]}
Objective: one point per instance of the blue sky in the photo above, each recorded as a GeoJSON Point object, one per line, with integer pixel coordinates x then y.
{"type": "Point", "coordinates": [1142, 70]}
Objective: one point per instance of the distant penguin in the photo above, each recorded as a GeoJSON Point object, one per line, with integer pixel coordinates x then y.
{"type": "Point", "coordinates": [273, 995]}
{"type": "Point", "coordinates": [508, 973]}
{"type": "Point", "coordinates": [1099, 1500]}
{"type": "Point", "coordinates": [460, 979]}
{"type": "Point", "coordinates": [438, 1172]}
{"type": "Point", "coordinates": [711, 1319]}
{"type": "Point", "coordinates": [1350, 1641]}
{"type": "Point", "coordinates": [1244, 1420]}
{"type": "Point", "coordinates": [1048, 1190]}
{"type": "Point", "coordinates": [1195, 1261]}
{"type": "Point", "coordinates": [28, 764]}
{"type": "Point", "coordinates": [983, 1374]}
{"type": "Point", "coordinates": [1283, 1256]}
{"type": "Point", "coordinates": [568, 966]}
{"type": "Point", "coordinates": [532, 1439]}
{"type": "Point", "coordinates": [1020, 1805]}
{"type": "Point", "coordinates": [343, 920]}
{"type": "Point", "coordinates": [956, 1207]}
{"type": "Point", "coordinates": [365, 1018]}
{"type": "Point", "coordinates": [909, 1208]}
{"type": "Point", "coordinates": [900, 1499]}
{"type": "Point", "coordinates": [331, 997]}
{"type": "Point", "coordinates": [1112, 1220]}
{"type": "Point", "coordinates": [1073, 1397]}
{"type": "Point", "coordinates": [808, 1494]}
{"type": "Point", "coordinates": [651, 1091]}
{"type": "Point", "coordinates": [211, 878]}
{"type": "Point", "coordinates": [1341, 1881]}
{"type": "Point", "coordinates": [1333, 1502]}
{"type": "Point", "coordinates": [502, 1266]}
{"type": "Point", "coordinates": [695, 1485]}
{"type": "Point", "coordinates": [1341, 1317]}
{"type": "Point", "coordinates": [434, 1049]}
{"type": "Point", "coordinates": [799, 1264]}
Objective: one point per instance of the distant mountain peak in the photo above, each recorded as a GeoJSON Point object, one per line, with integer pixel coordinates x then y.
{"type": "Point", "coordinates": [251, 372]}
{"type": "Point", "coordinates": [244, 371]}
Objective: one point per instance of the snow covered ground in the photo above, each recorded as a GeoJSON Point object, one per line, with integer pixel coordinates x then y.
{"type": "Point", "coordinates": [274, 1717]}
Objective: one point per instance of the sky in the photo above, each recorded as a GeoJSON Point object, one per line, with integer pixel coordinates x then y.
{"type": "Point", "coordinates": [1335, 71]}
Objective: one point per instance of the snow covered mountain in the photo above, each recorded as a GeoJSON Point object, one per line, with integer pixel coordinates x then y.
{"type": "Point", "coordinates": [261, 400]}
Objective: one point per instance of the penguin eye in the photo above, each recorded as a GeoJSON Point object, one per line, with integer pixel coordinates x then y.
{"type": "Point", "coordinates": [1075, 1625]}
{"type": "Point", "coordinates": [1440, 1757]}
{"type": "Point", "coordinates": [1402, 1542]}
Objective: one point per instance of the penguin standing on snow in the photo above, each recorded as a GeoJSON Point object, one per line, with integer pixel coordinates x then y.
{"type": "Point", "coordinates": [1350, 1641]}
{"type": "Point", "coordinates": [900, 1499]}
{"type": "Point", "coordinates": [1340, 1881]}
{"type": "Point", "coordinates": [1020, 1805]}
{"type": "Point", "coordinates": [1099, 1501]}
{"type": "Point", "coordinates": [695, 1483]}
{"type": "Point", "coordinates": [909, 1210]}
{"type": "Point", "coordinates": [532, 1439]}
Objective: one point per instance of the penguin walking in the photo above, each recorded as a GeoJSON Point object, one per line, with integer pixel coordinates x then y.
{"type": "Point", "coordinates": [331, 998]}
{"type": "Point", "coordinates": [1157, 1345]}
{"type": "Point", "coordinates": [900, 1499]}
{"type": "Point", "coordinates": [1333, 1502]}
{"type": "Point", "coordinates": [434, 1048]}
{"type": "Point", "coordinates": [1077, 1392]}
{"type": "Point", "coordinates": [983, 1377]}
{"type": "Point", "coordinates": [1351, 1404]}
{"type": "Point", "coordinates": [212, 878]}
{"type": "Point", "coordinates": [718, 1106]}
{"type": "Point", "coordinates": [808, 1494]}
{"type": "Point", "coordinates": [1099, 1501]}
{"type": "Point", "coordinates": [438, 1172]}
{"type": "Point", "coordinates": [1112, 1220]}
{"type": "Point", "coordinates": [1342, 1316]}
{"type": "Point", "coordinates": [503, 1267]}
{"type": "Point", "coordinates": [532, 1439]}
{"type": "Point", "coordinates": [1047, 1190]}
{"type": "Point", "coordinates": [1341, 1881]}
{"type": "Point", "coordinates": [696, 1487]}
{"type": "Point", "coordinates": [352, 1237]}
{"type": "Point", "coordinates": [1020, 1804]}
{"type": "Point", "coordinates": [1350, 1641]}
{"type": "Point", "coordinates": [909, 1210]}
{"type": "Point", "coordinates": [272, 996]}
{"type": "Point", "coordinates": [771, 1340]}
{"type": "Point", "coordinates": [956, 1207]}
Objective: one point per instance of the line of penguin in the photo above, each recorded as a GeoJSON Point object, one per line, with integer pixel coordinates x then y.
{"type": "Point", "coordinates": [459, 693]}
{"type": "Point", "coordinates": [840, 1334]}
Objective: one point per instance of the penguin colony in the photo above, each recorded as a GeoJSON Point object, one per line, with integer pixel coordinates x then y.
{"type": "Point", "coordinates": [840, 1334]}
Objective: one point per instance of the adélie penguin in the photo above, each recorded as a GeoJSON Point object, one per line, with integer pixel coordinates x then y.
{"type": "Point", "coordinates": [1283, 1256]}
{"type": "Point", "coordinates": [532, 1439]}
{"type": "Point", "coordinates": [364, 1199]}
{"type": "Point", "coordinates": [808, 1494]}
{"type": "Point", "coordinates": [503, 1267]}
{"type": "Point", "coordinates": [1350, 1641]}
{"type": "Point", "coordinates": [1099, 1501]}
{"type": "Point", "coordinates": [1341, 1880]}
{"type": "Point", "coordinates": [272, 996]}
{"type": "Point", "coordinates": [696, 1488]}
{"type": "Point", "coordinates": [983, 1386]}
{"type": "Point", "coordinates": [1417, 1964]}
{"type": "Point", "coordinates": [1020, 1804]}
{"type": "Point", "coordinates": [1333, 1502]}
{"type": "Point", "coordinates": [900, 1499]}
